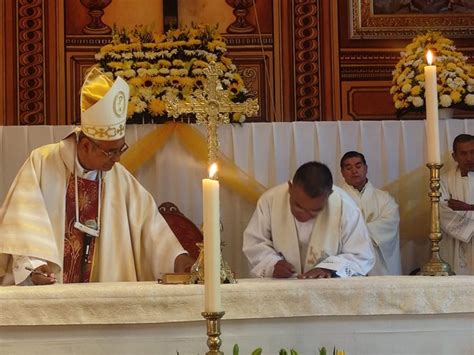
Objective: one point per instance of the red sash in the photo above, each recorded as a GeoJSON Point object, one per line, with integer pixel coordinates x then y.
{"type": "Point", "coordinates": [75, 268]}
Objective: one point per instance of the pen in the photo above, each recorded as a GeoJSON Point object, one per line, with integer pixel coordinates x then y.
{"type": "Point", "coordinates": [33, 271]}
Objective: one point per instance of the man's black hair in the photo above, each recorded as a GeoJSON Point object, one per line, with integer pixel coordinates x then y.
{"type": "Point", "coordinates": [461, 138]}
{"type": "Point", "coordinates": [352, 154]}
{"type": "Point", "coordinates": [315, 178]}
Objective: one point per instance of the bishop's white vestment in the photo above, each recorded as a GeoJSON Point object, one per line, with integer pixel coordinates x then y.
{"type": "Point", "coordinates": [381, 215]}
{"type": "Point", "coordinates": [135, 242]}
{"type": "Point", "coordinates": [337, 238]}
{"type": "Point", "coordinates": [457, 226]}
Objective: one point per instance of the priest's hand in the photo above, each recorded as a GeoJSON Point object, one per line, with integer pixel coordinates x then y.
{"type": "Point", "coordinates": [316, 273]}
{"type": "Point", "coordinates": [183, 263]}
{"type": "Point", "coordinates": [43, 275]}
{"type": "Point", "coordinates": [283, 269]}
{"type": "Point", "coordinates": [457, 205]}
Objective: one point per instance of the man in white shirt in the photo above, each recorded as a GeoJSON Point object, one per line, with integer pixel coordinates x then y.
{"type": "Point", "coordinates": [457, 208]}
{"type": "Point", "coordinates": [380, 212]}
{"type": "Point", "coordinates": [74, 214]}
{"type": "Point", "coordinates": [308, 228]}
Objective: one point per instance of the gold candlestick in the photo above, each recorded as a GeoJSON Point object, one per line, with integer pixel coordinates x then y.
{"type": "Point", "coordinates": [213, 332]}
{"type": "Point", "coordinates": [197, 270]}
{"type": "Point", "coordinates": [435, 266]}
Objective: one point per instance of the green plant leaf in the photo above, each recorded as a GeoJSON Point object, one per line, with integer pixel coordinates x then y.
{"type": "Point", "coordinates": [322, 351]}
{"type": "Point", "coordinates": [283, 352]}
{"type": "Point", "coordinates": [235, 350]}
{"type": "Point", "coordinates": [257, 351]}
{"type": "Point", "coordinates": [293, 352]}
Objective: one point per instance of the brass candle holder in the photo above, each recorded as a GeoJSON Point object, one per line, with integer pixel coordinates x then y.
{"type": "Point", "coordinates": [435, 266]}
{"type": "Point", "coordinates": [213, 332]}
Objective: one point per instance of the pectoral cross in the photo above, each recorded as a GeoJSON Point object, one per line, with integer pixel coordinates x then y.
{"type": "Point", "coordinates": [212, 107]}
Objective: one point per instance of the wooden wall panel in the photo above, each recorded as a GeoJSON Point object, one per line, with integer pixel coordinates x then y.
{"type": "Point", "coordinates": [10, 63]}
{"type": "Point", "coordinates": [251, 67]}
{"type": "Point", "coordinates": [370, 46]}
{"type": "Point", "coordinates": [3, 41]}
{"type": "Point", "coordinates": [366, 100]}
{"type": "Point", "coordinates": [31, 60]}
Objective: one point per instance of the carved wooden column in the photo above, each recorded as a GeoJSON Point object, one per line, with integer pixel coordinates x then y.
{"type": "Point", "coordinates": [306, 46]}
{"type": "Point", "coordinates": [31, 64]}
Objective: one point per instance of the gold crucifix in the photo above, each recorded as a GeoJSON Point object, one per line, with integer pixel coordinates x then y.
{"type": "Point", "coordinates": [212, 107]}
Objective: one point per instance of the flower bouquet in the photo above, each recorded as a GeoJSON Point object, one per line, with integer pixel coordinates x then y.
{"type": "Point", "coordinates": [168, 65]}
{"type": "Point", "coordinates": [455, 76]}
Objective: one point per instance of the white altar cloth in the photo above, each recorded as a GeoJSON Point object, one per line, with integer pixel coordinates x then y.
{"type": "Point", "coordinates": [271, 152]}
{"type": "Point", "coordinates": [365, 315]}
{"type": "Point", "coordinates": [149, 302]}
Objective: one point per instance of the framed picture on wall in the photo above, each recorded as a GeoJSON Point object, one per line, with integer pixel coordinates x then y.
{"type": "Point", "coordinates": [398, 19]}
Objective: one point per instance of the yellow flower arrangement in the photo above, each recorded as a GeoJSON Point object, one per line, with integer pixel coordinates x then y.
{"type": "Point", "coordinates": [155, 65]}
{"type": "Point", "coordinates": [455, 76]}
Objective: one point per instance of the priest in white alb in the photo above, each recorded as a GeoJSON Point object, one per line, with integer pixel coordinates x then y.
{"type": "Point", "coordinates": [457, 208]}
{"type": "Point", "coordinates": [380, 212]}
{"type": "Point", "coordinates": [74, 214]}
{"type": "Point", "coordinates": [308, 228]}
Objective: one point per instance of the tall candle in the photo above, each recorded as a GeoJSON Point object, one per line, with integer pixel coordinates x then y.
{"type": "Point", "coordinates": [431, 104]}
{"type": "Point", "coordinates": [212, 242]}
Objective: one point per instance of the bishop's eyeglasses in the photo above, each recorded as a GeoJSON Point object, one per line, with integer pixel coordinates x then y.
{"type": "Point", "coordinates": [110, 153]}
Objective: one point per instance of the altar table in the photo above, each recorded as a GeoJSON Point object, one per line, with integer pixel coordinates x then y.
{"type": "Point", "coordinates": [364, 315]}
{"type": "Point", "coordinates": [270, 153]}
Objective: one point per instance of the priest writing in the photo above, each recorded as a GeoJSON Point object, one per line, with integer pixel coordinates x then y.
{"type": "Point", "coordinates": [74, 214]}
{"type": "Point", "coordinates": [308, 228]}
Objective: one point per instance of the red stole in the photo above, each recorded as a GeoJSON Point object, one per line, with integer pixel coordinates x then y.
{"type": "Point", "coordinates": [75, 268]}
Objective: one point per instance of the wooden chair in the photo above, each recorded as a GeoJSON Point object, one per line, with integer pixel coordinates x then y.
{"type": "Point", "coordinates": [184, 229]}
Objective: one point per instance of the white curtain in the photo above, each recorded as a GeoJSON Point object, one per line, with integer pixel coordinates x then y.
{"type": "Point", "coordinates": [271, 152]}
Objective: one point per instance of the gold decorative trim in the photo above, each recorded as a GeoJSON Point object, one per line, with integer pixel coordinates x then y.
{"type": "Point", "coordinates": [104, 132]}
{"type": "Point", "coordinates": [365, 24]}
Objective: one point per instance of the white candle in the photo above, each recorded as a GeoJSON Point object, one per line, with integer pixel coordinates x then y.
{"type": "Point", "coordinates": [212, 242]}
{"type": "Point", "coordinates": [431, 104]}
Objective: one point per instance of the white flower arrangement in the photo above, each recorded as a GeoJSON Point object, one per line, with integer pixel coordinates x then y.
{"type": "Point", "coordinates": [155, 65]}
{"type": "Point", "coordinates": [455, 76]}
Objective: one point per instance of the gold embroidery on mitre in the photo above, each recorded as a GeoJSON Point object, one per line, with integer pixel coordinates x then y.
{"type": "Point", "coordinates": [119, 103]}
{"type": "Point", "coordinates": [104, 132]}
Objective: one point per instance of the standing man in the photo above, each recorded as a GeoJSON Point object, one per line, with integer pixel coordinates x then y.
{"type": "Point", "coordinates": [308, 228]}
{"type": "Point", "coordinates": [74, 214]}
{"type": "Point", "coordinates": [457, 208]}
{"type": "Point", "coordinates": [380, 212]}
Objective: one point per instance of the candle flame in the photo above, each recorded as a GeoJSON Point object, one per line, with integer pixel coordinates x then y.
{"type": "Point", "coordinates": [429, 57]}
{"type": "Point", "coordinates": [212, 170]}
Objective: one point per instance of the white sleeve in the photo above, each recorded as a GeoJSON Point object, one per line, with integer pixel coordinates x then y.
{"type": "Point", "coordinates": [20, 272]}
{"type": "Point", "coordinates": [257, 241]}
{"type": "Point", "coordinates": [456, 224]}
{"type": "Point", "coordinates": [356, 256]}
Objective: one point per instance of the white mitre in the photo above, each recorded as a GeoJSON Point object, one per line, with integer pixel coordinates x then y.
{"type": "Point", "coordinates": [103, 106]}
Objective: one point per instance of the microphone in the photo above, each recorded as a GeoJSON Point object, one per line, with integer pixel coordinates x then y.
{"type": "Point", "coordinates": [90, 231]}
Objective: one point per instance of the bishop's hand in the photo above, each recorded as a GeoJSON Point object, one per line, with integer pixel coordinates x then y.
{"type": "Point", "coordinates": [283, 269]}
{"type": "Point", "coordinates": [43, 275]}
{"type": "Point", "coordinates": [183, 263]}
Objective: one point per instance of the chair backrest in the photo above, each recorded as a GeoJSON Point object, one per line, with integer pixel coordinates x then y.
{"type": "Point", "coordinates": [184, 229]}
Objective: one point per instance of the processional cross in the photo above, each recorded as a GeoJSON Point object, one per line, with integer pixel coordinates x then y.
{"type": "Point", "coordinates": [212, 107]}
